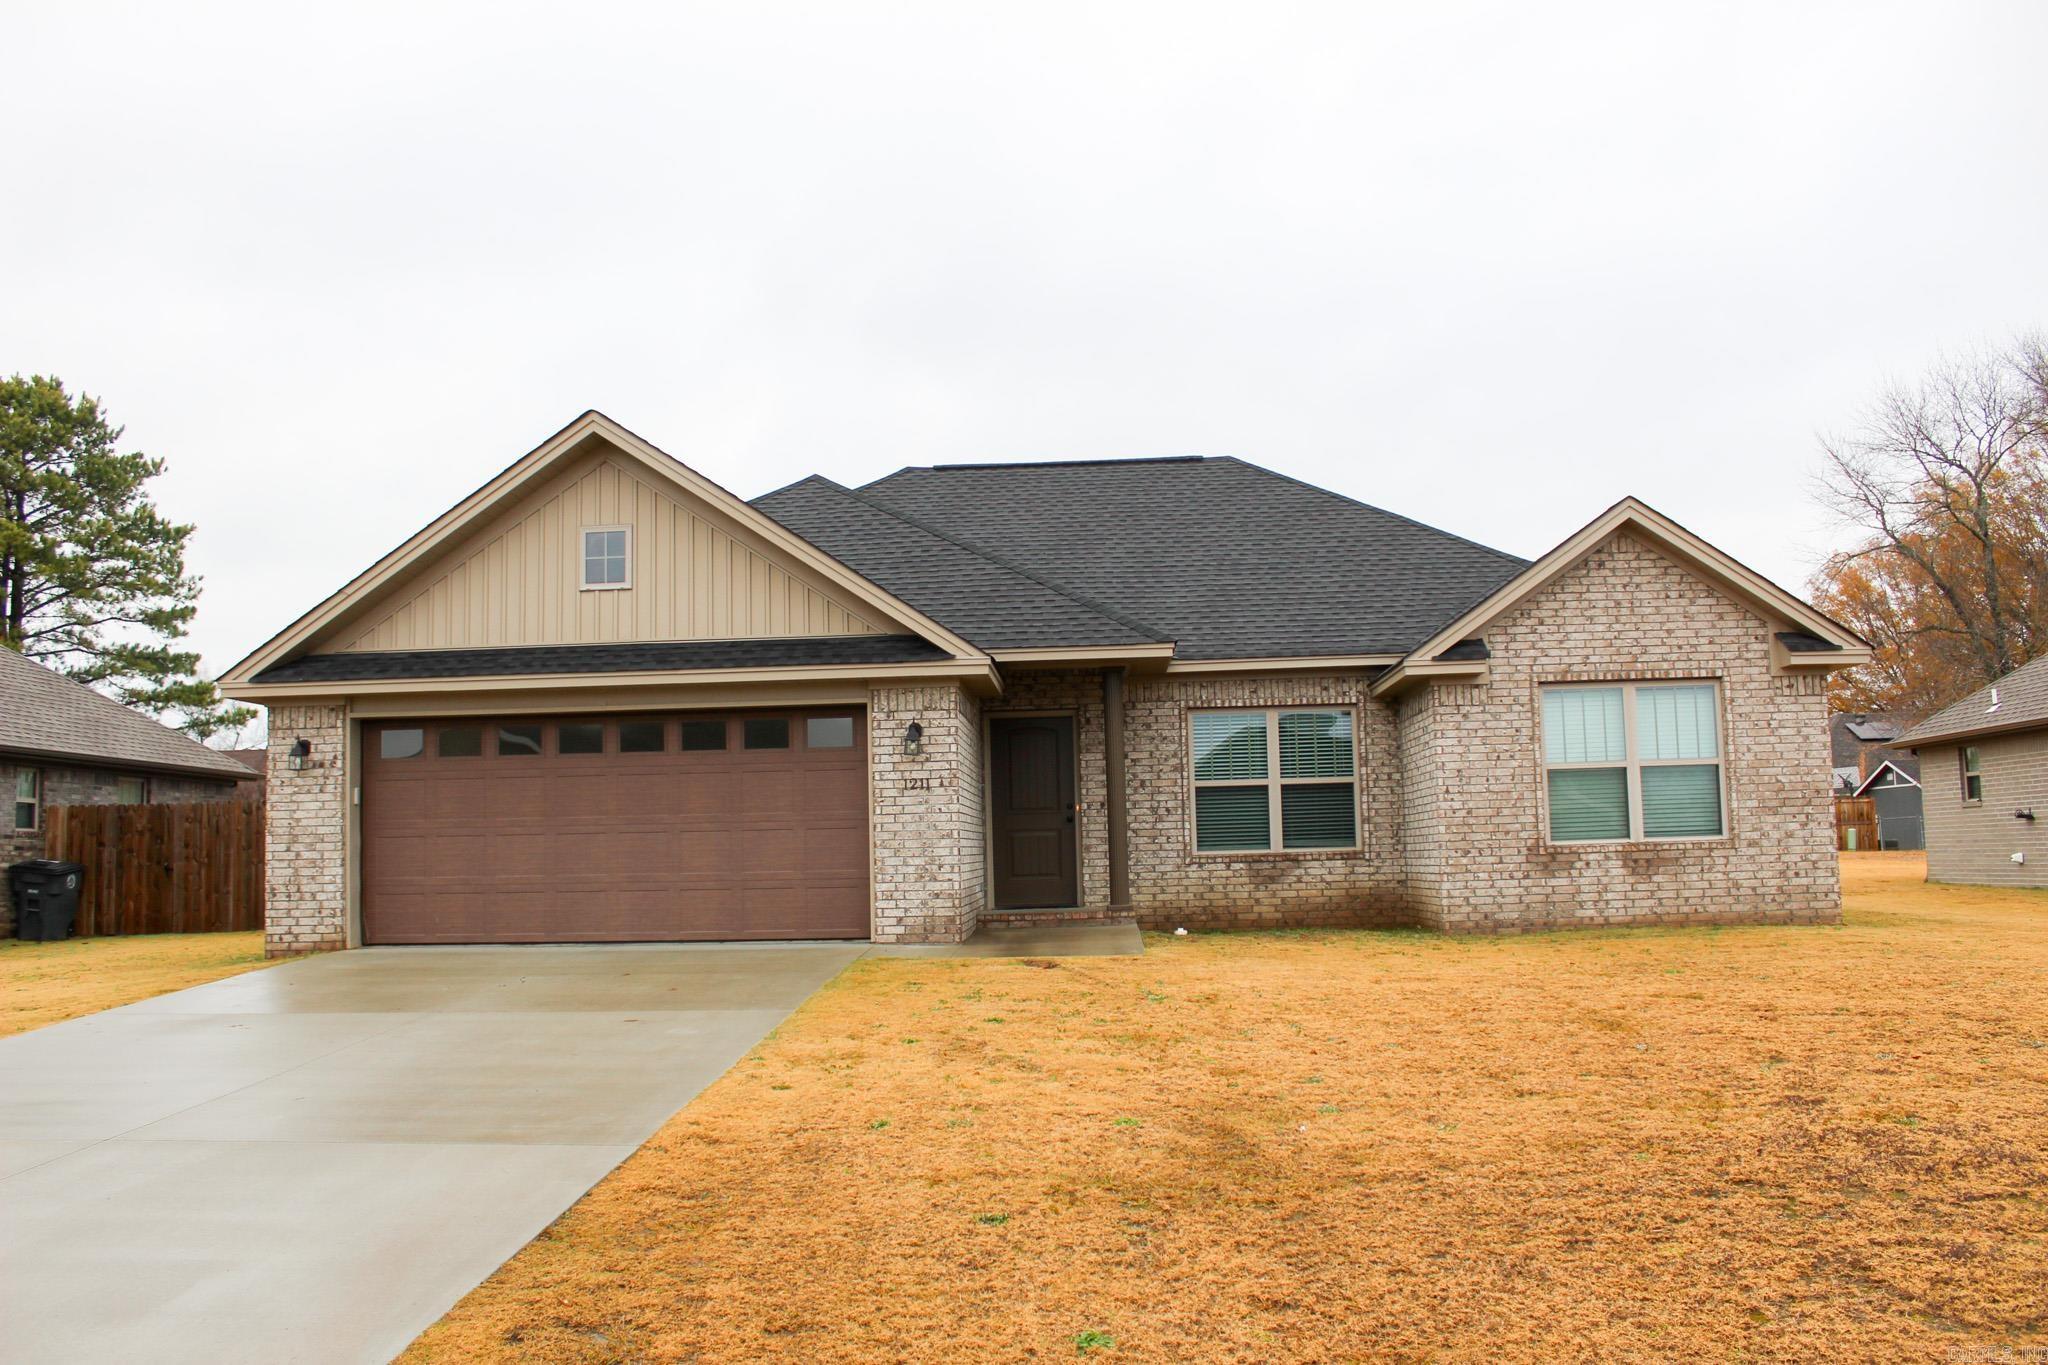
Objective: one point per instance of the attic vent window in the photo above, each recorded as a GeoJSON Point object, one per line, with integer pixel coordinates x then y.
{"type": "Point", "coordinates": [606, 556]}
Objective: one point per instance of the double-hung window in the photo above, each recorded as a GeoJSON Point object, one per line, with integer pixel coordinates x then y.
{"type": "Point", "coordinates": [1274, 781]}
{"type": "Point", "coordinates": [1633, 761]}
{"type": "Point", "coordinates": [28, 798]}
{"type": "Point", "coordinates": [606, 561]}
{"type": "Point", "coordinates": [1973, 773]}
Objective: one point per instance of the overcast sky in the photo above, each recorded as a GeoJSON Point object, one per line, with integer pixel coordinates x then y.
{"type": "Point", "coordinates": [1490, 268]}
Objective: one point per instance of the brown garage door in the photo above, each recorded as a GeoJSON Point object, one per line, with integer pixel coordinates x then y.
{"type": "Point", "coordinates": [615, 829]}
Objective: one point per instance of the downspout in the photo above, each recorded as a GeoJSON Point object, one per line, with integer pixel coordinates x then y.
{"type": "Point", "coordinates": [1119, 816]}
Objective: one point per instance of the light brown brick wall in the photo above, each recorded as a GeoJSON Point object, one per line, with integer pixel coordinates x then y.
{"type": "Point", "coordinates": [926, 825]}
{"type": "Point", "coordinates": [306, 817]}
{"type": "Point", "coordinates": [1975, 843]}
{"type": "Point", "coordinates": [1625, 614]}
{"type": "Point", "coordinates": [1172, 886]}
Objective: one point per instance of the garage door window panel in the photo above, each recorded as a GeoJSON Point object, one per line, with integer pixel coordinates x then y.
{"type": "Point", "coordinates": [579, 737]}
{"type": "Point", "coordinates": [519, 741]}
{"type": "Point", "coordinates": [460, 741]}
{"type": "Point", "coordinates": [766, 732]}
{"type": "Point", "coordinates": [401, 743]}
{"type": "Point", "coordinates": [643, 737]}
{"type": "Point", "coordinates": [703, 735]}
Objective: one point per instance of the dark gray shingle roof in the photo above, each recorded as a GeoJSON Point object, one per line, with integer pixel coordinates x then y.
{"type": "Point", "coordinates": [1225, 558]}
{"type": "Point", "coordinates": [992, 604]}
{"type": "Point", "coordinates": [659, 656]}
{"type": "Point", "coordinates": [47, 715]}
{"type": "Point", "coordinates": [2022, 704]}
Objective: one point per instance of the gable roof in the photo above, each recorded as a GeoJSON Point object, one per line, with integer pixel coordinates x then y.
{"type": "Point", "coordinates": [1224, 558]}
{"type": "Point", "coordinates": [1888, 766]}
{"type": "Point", "coordinates": [995, 604]}
{"type": "Point", "coordinates": [524, 473]}
{"type": "Point", "coordinates": [45, 715]}
{"type": "Point", "coordinates": [2022, 704]}
{"type": "Point", "coordinates": [1816, 640]}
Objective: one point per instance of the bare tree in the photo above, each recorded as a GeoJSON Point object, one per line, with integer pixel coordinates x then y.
{"type": "Point", "coordinates": [1947, 483]}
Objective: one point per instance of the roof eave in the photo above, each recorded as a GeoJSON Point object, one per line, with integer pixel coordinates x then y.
{"type": "Point", "coordinates": [978, 672]}
{"type": "Point", "coordinates": [73, 758]}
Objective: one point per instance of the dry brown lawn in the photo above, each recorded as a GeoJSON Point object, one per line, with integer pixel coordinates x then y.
{"type": "Point", "coordinates": [1737, 1143]}
{"type": "Point", "coordinates": [42, 983]}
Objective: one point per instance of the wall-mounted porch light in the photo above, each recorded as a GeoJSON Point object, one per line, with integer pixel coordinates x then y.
{"type": "Point", "coordinates": [913, 739]}
{"type": "Point", "coordinates": [302, 749]}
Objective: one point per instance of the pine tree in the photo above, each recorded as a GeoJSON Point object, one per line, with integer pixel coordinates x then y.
{"type": "Point", "coordinates": [92, 575]}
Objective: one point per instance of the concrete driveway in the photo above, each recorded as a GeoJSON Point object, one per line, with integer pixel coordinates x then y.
{"type": "Point", "coordinates": [312, 1162]}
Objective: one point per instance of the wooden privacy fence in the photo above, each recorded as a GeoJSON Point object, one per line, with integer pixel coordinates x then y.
{"type": "Point", "coordinates": [1855, 823]}
{"type": "Point", "coordinates": [171, 869]}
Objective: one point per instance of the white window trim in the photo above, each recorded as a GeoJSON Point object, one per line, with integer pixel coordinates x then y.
{"type": "Point", "coordinates": [1635, 764]}
{"type": "Point", "coordinates": [1273, 782]}
{"type": "Point", "coordinates": [1963, 752]}
{"type": "Point", "coordinates": [583, 560]}
{"type": "Point", "coordinates": [34, 800]}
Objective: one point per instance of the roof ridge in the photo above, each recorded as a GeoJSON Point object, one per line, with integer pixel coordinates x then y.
{"type": "Point", "coordinates": [1058, 464]}
{"type": "Point", "coordinates": [1373, 507]}
{"type": "Point", "coordinates": [861, 496]}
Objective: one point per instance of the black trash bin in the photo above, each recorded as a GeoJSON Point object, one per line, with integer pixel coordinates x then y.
{"type": "Point", "coordinates": [45, 898]}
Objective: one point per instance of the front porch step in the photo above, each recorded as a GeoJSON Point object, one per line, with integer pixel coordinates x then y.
{"type": "Point", "coordinates": [1096, 915]}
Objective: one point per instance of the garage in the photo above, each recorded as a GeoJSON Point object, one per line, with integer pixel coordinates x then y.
{"type": "Point", "coordinates": [610, 829]}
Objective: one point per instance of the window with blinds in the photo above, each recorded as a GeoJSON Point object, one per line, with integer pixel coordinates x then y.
{"type": "Point", "coordinates": [1633, 761]}
{"type": "Point", "coordinates": [1274, 781]}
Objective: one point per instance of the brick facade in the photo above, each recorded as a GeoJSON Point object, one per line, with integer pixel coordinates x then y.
{"type": "Point", "coordinates": [70, 785]}
{"type": "Point", "coordinates": [925, 814]}
{"type": "Point", "coordinates": [1450, 788]}
{"type": "Point", "coordinates": [306, 892]}
{"type": "Point", "coordinates": [1973, 841]}
{"type": "Point", "coordinates": [1171, 885]}
{"type": "Point", "coordinates": [1480, 858]}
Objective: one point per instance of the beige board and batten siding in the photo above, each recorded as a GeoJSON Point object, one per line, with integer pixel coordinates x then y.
{"type": "Point", "coordinates": [696, 574]}
{"type": "Point", "coordinates": [1973, 841]}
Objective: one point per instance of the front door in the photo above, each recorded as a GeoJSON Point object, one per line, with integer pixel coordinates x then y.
{"type": "Point", "coordinates": [1031, 777]}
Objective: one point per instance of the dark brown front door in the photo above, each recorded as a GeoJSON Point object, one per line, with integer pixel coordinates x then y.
{"type": "Point", "coordinates": [615, 829]}
{"type": "Point", "coordinates": [1031, 772]}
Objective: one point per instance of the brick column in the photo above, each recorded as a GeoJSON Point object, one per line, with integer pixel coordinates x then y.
{"type": "Point", "coordinates": [306, 819]}
{"type": "Point", "coordinates": [925, 814]}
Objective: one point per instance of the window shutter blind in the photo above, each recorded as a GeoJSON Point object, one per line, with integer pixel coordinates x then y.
{"type": "Point", "coordinates": [1584, 725]}
{"type": "Point", "coordinates": [1229, 745]}
{"type": "Point", "coordinates": [1229, 818]}
{"type": "Point", "coordinates": [1682, 803]}
{"type": "Point", "coordinates": [1588, 803]}
{"type": "Point", "coordinates": [1677, 722]}
{"type": "Point", "coordinates": [1315, 744]}
{"type": "Point", "coordinates": [1320, 816]}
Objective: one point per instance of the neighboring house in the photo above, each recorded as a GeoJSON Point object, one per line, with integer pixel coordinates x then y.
{"type": "Point", "coordinates": [258, 762]}
{"type": "Point", "coordinates": [1984, 770]}
{"type": "Point", "coordinates": [63, 744]}
{"type": "Point", "coordinates": [1869, 765]}
{"type": "Point", "coordinates": [603, 699]}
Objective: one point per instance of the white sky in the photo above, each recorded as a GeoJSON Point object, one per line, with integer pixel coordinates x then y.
{"type": "Point", "coordinates": [1490, 268]}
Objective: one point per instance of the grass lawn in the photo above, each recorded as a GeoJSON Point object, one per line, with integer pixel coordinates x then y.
{"type": "Point", "coordinates": [41, 983]}
{"type": "Point", "coordinates": [1815, 1143]}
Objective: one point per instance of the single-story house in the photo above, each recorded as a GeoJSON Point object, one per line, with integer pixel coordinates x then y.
{"type": "Point", "coordinates": [1984, 774]}
{"type": "Point", "coordinates": [1869, 765]}
{"type": "Point", "coordinates": [602, 698]}
{"type": "Point", "coordinates": [63, 744]}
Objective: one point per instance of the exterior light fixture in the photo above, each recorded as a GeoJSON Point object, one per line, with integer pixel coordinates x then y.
{"type": "Point", "coordinates": [913, 739]}
{"type": "Point", "coordinates": [302, 749]}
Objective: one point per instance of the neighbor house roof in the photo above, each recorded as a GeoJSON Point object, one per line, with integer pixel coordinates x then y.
{"type": "Point", "coordinates": [794, 651]}
{"type": "Point", "coordinates": [1861, 741]}
{"type": "Point", "coordinates": [2017, 701]}
{"type": "Point", "coordinates": [45, 715]}
{"type": "Point", "coordinates": [1225, 559]}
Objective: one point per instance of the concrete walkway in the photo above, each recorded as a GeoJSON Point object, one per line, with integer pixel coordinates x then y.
{"type": "Point", "coordinates": [311, 1163]}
